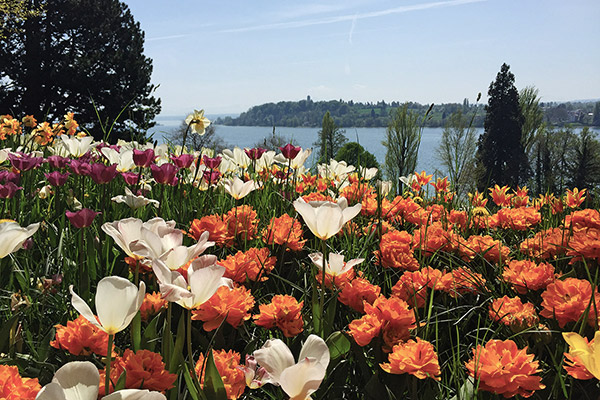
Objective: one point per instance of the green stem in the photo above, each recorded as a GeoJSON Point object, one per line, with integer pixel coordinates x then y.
{"type": "Point", "coordinates": [108, 362]}
{"type": "Point", "coordinates": [189, 336]}
{"type": "Point", "coordinates": [324, 247]}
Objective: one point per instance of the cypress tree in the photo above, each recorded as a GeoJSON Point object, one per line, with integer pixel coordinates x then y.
{"type": "Point", "coordinates": [501, 157]}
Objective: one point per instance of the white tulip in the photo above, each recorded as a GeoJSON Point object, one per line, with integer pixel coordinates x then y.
{"type": "Point", "coordinates": [75, 146]}
{"type": "Point", "coordinates": [325, 218]}
{"type": "Point", "coordinates": [298, 380]}
{"type": "Point", "coordinates": [80, 380]}
{"type": "Point", "coordinates": [336, 265]}
{"type": "Point", "coordinates": [237, 188]}
{"type": "Point", "coordinates": [117, 301]}
{"type": "Point", "coordinates": [204, 277]}
{"type": "Point", "coordinates": [12, 236]}
{"type": "Point", "coordinates": [134, 202]}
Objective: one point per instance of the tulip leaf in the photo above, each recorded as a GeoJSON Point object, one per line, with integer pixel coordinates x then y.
{"type": "Point", "coordinates": [5, 333]}
{"type": "Point", "coordinates": [150, 335]}
{"type": "Point", "coordinates": [190, 384]}
{"type": "Point", "coordinates": [136, 331]}
{"type": "Point", "coordinates": [121, 381]}
{"type": "Point", "coordinates": [338, 344]}
{"type": "Point", "coordinates": [213, 384]}
{"type": "Point", "coordinates": [178, 349]}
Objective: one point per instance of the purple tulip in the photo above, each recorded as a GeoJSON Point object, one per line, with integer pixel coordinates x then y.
{"type": "Point", "coordinates": [131, 178]}
{"type": "Point", "coordinates": [143, 158]}
{"type": "Point", "coordinates": [101, 173]}
{"type": "Point", "coordinates": [212, 163]}
{"type": "Point", "coordinates": [58, 162]}
{"type": "Point", "coordinates": [7, 176]}
{"type": "Point", "coordinates": [255, 153]}
{"type": "Point", "coordinates": [212, 176]}
{"type": "Point", "coordinates": [8, 190]}
{"type": "Point", "coordinates": [164, 174]}
{"type": "Point", "coordinates": [183, 161]}
{"type": "Point", "coordinates": [290, 151]}
{"type": "Point", "coordinates": [82, 218]}
{"type": "Point", "coordinates": [56, 178]}
{"type": "Point", "coordinates": [80, 167]}
{"type": "Point", "coordinates": [25, 162]}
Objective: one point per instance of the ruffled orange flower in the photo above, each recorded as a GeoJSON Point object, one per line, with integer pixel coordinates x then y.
{"type": "Point", "coordinates": [152, 305]}
{"type": "Point", "coordinates": [417, 358]}
{"type": "Point", "coordinates": [284, 312]}
{"type": "Point", "coordinates": [512, 312]}
{"type": "Point", "coordinates": [396, 318]}
{"type": "Point", "coordinates": [458, 219]}
{"type": "Point", "coordinates": [502, 368]}
{"type": "Point", "coordinates": [356, 192]}
{"type": "Point", "coordinates": [395, 251]}
{"type": "Point", "coordinates": [581, 219]}
{"type": "Point", "coordinates": [432, 238]}
{"type": "Point", "coordinates": [228, 305]}
{"type": "Point", "coordinates": [358, 291]}
{"type": "Point", "coordinates": [364, 329]}
{"type": "Point", "coordinates": [568, 300]}
{"type": "Point", "coordinates": [13, 387]}
{"type": "Point", "coordinates": [228, 365]}
{"type": "Point", "coordinates": [242, 223]}
{"type": "Point", "coordinates": [517, 219]}
{"type": "Point", "coordinates": [546, 244]}
{"type": "Point", "coordinates": [574, 366]}
{"type": "Point", "coordinates": [81, 338]}
{"type": "Point", "coordinates": [585, 244]}
{"type": "Point", "coordinates": [462, 280]}
{"type": "Point", "coordinates": [484, 246]}
{"type": "Point", "coordinates": [254, 264]}
{"type": "Point", "coordinates": [410, 211]}
{"type": "Point", "coordinates": [315, 196]}
{"type": "Point", "coordinates": [369, 205]}
{"type": "Point", "coordinates": [144, 370]}
{"type": "Point", "coordinates": [412, 287]}
{"type": "Point", "coordinates": [214, 224]}
{"type": "Point", "coordinates": [526, 275]}
{"type": "Point", "coordinates": [284, 231]}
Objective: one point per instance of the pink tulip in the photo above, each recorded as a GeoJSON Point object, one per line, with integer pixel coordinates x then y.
{"type": "Point", "coordinates": [290, 151]}
{"type": "Point", "coordinates": [212, 163]}
{"type": "Point", "coordinates": [82, 218]}
{"type": "Point", "coordinates": [8, 190]}
{"type": "Point", "coordinates": [101, 173]}
{"type": "Point", "coordinates": [164, 174]}
{"type": "Point", "coordinates": [56, 178]}
{"type": "Point", "coordinates": [143, 158]}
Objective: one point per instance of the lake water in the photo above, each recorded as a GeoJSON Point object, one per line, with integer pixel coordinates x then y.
{"type": "Point", "coordinates": [369, 138]}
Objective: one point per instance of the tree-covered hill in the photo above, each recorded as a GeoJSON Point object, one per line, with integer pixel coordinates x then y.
{"type": "Point", "coordinates": [310, 113]}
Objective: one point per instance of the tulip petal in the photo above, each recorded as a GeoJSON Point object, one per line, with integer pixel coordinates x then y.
{"type": "Point", "coordinates": [351, 212]}
{"type": "Point", "coordinates": [79, 380]}
{"type": "Point", "coordinates": [329, 220]}
{"type": "Point", "coordinates": [302, 379]}
{"type": "Point", "coordinates": [117, 302]}
{"type": "Point", "coordinates": [316, 348]}
{"type": "Point", "coordinates": [83, 309]}
{"type": "Point", "coordinates": [135, 394]}
{"type": "Point", "coordinates": [308, 214]}
{"type": "Point", "coordinates": [51, 391]}
{"type": "Point", "coordinates": [204, 282]}
{"type": "Point", "coordinates": [274, 357]}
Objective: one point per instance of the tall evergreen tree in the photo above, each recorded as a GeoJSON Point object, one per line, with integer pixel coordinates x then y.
{"type": "Point", "coordinates": [331, 139]}
{"type": "Point", "coordinates": [596, 118]}
{"type": "Point", "coordinates": [501, 157]}
{"type": "Point", "coordinates": [81, 56]}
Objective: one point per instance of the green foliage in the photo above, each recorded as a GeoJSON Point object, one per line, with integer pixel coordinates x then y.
{"type": "Point", "coordinates": [529, 102]}
{"type": "Point", "coordinates": [596, 119]}
{"type": "Point", "coordinates": [403, 138]}
{"type": "Point", "coordinates": [331, 139]}
{"type": "Point", "coordinates": [84, 57]}
{"type": "Point", "coordinates": [210, 139]}
{"type": "Point", "coordinates": [456, 151]}
{"type": "Point", "coordinates": [354, 154]}
{"type": "Point", "coordinates": [501, 157]}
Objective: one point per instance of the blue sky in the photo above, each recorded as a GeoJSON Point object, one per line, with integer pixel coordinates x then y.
{"type": "Point", "coordinates": [226, 56]}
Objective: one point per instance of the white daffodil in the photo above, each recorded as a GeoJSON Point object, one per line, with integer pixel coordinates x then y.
{"type": "Point", "coordinates": [336, 265]}
{"type": "Point", "coordinates": [204, 277]}
{"type": "Point", "coordinates": [134, 202]}
{"type": "Point", "coordinates": [80, 380]}
{"type": "Point", "coordinates": [197, 122]}
{"type": "Point", "coordinates": [117, 302]}
{"type": "Point", "coordinates": [12, 236]}
{"type": "Point", "coordinates": [298, 380]}
{"type": "Point", "coordinates": [325, 218]}
{"type": "Point", "coordinates": [76, 147]}
{"type": "Point", "coordinates": [237, 188]}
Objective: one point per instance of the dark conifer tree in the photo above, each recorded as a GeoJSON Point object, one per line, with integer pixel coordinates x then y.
{"type": "Point", "coordinates": [81, 56]}
{"type": "Point", "coordinates": [501, 157]}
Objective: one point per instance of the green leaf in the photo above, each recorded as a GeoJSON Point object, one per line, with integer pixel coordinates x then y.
{"type": "Point", "coordinates": [5, 333]}
{"type": "Point", "coordinates": [338, 344]}
{"type": "Point", "coordinates": [213, 384]}
{"type": "Point", "coordinates": [176, 356]}
{"type": "Point", "coordinates": [189, 382]}
{"type": "Point", "coordinates": [150, 334]}
{"type": "Point", "coordinates": [136, 331]}
{"type": "Point", "coordinates": [121, 381]}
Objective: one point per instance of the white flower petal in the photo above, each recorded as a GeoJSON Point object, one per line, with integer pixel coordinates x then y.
{"type": "Point", "coordinates": [83, 308]}
{"type": "Point", "coordinates": [117, 302]}
{"type": "Point", "coordinates": [135, 394]}
{"type": "Point", "coordinates": [275, 357]}
{"type": "Point", "coordinates": [301, 380]}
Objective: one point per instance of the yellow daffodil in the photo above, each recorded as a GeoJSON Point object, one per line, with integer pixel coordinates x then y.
{"type": "Point", "coordinates": [197, 122]}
